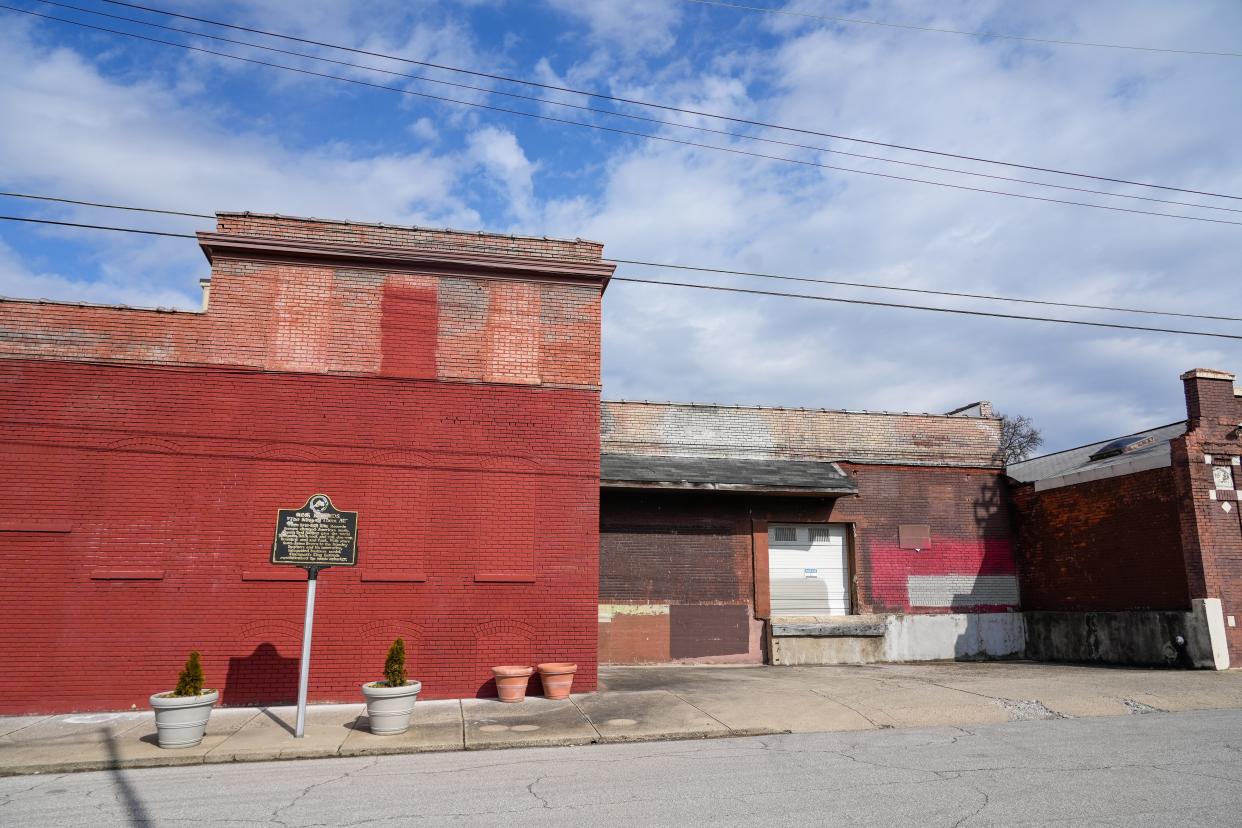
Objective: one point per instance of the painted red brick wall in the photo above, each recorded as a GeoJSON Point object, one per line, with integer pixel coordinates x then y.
{"type": "Point", "coordinates": [1103, 545]}
{"type": "Point", "coordinates": [695, 548]}
{"type": "Point", "coordinates": [146, 454]}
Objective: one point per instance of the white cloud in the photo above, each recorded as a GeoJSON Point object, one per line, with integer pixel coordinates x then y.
{"type": "Point", "coordinates": [498, 153]}
{"type": "Point", "coordinates": [629, 27]}
{"type": "Point", "coordinates": [1130, 115]}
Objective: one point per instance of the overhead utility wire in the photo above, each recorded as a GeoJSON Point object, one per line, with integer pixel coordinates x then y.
{"type": "Point", "coordinates": [98, 227]}
{"type": "Point", "coordinates": [616, 130]}
{"type": "Point", "coordinates": [634, 117]}
{"type": "Point", "coordinates": [750, 291]}
{"type": "Point", "coordinates": [654, 105]}
{"type": "Point", "coordinates": [1051, 41]}
{"type": "Point", "coordinates": [746, 273]}
{"type": "Point", "coordinates": [107, 206]}
{"type": "Point", "coordinates": [925, 291]}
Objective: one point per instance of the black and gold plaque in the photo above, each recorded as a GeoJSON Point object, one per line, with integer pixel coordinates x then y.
{"type": "Point", "coordinates": [317, 534]}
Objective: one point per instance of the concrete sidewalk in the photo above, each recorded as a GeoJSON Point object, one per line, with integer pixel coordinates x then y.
{"type": "Point", "coordinates": [638, 704]}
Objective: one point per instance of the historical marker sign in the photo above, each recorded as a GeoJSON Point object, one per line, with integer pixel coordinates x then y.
{"type": "Point", "coordinates": [316, 535]}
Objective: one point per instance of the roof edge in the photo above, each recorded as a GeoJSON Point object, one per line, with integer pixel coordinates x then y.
{"type": "Point", "coordinates": [739, 406]}
{"type": "Point", "coordinates": [347, 222]}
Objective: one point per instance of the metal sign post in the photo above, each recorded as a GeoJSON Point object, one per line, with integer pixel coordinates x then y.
{"type": "Point", "coordinates": [312, 578]}
{"type": "Point", "coordinates": [314, 537]}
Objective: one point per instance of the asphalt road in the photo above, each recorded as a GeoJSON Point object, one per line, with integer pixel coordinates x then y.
{"type": "Point", "coordinates": [1143, 769]}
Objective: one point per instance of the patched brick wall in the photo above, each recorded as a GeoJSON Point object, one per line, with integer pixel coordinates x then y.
{"type": "Point", "coordinates": [671, 548]}
{"type": "Point", "coordinates": [799, 434]}
{"type": "Point", "coordinates": [147, 453]}
{"type": "Point", "coordinates": [1104, 545]}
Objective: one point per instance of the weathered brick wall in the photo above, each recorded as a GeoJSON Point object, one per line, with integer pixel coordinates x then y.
{"type": "Point", "coordinates": [802, 434]}
{"type": "Point", "coordinates": [408, 238]}
{"type": "Point", "coordinates": [147, 453]}
{"type": "Point", "coordinates": [1211, 521]}
{"type": "Point", "coordinates": [1103, 545]}
{"type": "Point", "coordinates": [660, 550]}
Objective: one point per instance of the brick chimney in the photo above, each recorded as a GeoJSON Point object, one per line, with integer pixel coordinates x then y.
{"type": "Point", "coordinates": [1209, 395]}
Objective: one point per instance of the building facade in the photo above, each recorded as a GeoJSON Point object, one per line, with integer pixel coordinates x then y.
{"type": "Point", "coordinates": [1130, 549]}
{"type": "Point", "coordinates": [443, 385]}
{"type": "Point", "coordinates": [745, 534]}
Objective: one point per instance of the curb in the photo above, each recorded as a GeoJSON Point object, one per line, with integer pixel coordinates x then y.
{"type": "Point", "coordinates": [295, 754]}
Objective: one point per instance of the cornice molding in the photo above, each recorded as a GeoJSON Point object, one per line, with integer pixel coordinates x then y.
{"type": "Point", "coordinates": [430, 261]}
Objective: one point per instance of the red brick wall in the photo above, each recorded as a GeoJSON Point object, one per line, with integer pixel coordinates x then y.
{"type": "Point", "coordinates": [695, 548]}
{"type": "Point", "coordinates": [146, 454]}
{"type": "Point", "coordinates": [1103, 545]}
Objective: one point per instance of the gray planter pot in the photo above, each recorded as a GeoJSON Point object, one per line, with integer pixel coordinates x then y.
{"type": "Point", "coordinates": [389, 708]}
{"type": "Point", "coordinates": [181, 720]}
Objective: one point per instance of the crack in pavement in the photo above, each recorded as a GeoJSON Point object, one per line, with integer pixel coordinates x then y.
{"type": "Point", "coordinates": [274, 816]}
{"type": "Point", "coordinates": [986, 801]}
{"type": "Point", "coordinates": [851, 707]}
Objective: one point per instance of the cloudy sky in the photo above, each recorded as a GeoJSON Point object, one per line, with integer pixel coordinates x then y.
{"type": "Point", "coordinates": [96, 116]}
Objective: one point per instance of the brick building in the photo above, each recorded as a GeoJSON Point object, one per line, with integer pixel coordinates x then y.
{"type": "Point", "coordinates": [1127, 545]}
{"type": "Point", "coordinates": [803, 536]}
{"type": "Point", "coordinates": [444, 385]}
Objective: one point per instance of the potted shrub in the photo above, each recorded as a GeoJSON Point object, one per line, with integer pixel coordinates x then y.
{"type": "Point", "coordinates": [511, 682]}
{"type": "Point", "coordinates": [557, 679]}
{"type": "Point", "coordinates": [390, 702]}
{"type": "Point", "coordinates": [181, 715]}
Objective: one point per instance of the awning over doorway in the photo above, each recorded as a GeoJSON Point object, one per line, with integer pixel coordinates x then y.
{"type": "Point", "coordinates": [769, 476]}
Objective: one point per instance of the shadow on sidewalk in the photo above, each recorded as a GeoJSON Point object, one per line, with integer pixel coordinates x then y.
{"type": "Point", "coordinates": [134, 810]}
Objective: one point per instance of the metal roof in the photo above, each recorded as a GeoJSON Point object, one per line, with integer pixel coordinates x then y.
{"type": "Point", "coordinates": [724, 474]}
{"type": "Point", "coordinates": [1076, 463]}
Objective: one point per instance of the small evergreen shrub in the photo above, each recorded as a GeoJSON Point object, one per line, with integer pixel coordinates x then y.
{"type": "Point", "coordinates": [394, 666]}
{"type": "Point", "coordinates": [190, 682]}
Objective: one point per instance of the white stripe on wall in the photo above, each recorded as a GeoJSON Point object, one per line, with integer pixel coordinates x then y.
{"type": "Point", "coordinates": [962, 590]}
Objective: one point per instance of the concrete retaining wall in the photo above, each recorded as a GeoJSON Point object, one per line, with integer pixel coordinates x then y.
{"type": "Point", "coordinates": [958, 636]}
{"type": "Point", "coordinates": [1137, 637]}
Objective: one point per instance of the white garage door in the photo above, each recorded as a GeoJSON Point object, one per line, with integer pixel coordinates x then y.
{"type": "Point", "coordinates": [808, 569]}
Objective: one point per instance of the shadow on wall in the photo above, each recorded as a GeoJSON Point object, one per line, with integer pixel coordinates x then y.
{"type": "Point", "coordinates": [263, 677]}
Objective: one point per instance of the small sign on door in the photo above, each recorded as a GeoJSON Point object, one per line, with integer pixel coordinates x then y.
{"type": "Point", "coordinates": [810, 573]}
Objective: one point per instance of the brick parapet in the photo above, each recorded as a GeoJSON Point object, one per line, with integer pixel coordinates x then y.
{"type": "Point", "coordinates": [800, 434]}
{"type": "Point", "coordinates": [385, 235]}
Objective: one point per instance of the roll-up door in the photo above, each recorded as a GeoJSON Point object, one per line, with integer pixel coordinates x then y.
{"type": "Point", "coordinates": [808, 569]}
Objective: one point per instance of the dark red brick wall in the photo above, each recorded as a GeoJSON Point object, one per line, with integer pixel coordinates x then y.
{"type": "Point", "coordinates": [146, 454]}
{"type": "Point", "coordinates": [695, 548]}
{"type": "Point", "coordinates": [1103, 545]}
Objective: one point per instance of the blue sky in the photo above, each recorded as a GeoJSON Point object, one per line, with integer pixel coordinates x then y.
{"type": "Point", "coordinates": [99, 117]}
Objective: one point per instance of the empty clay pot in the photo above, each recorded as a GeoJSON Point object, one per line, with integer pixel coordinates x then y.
{"type": "Point", "coordinates": [557, 679]}
{"type": "Point", "coordinates": [511, 682]}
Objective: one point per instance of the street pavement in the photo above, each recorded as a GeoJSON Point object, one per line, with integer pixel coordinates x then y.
{"type": "Point", "coordinates": [635, 704]}
{"type": "Point", "coordinates": [1142, 769]}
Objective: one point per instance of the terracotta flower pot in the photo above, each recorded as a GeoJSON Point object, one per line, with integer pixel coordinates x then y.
{"type": "Point", "coordinates": [557, 679]}
{"type": "Point", "coordinates": [511, 682]}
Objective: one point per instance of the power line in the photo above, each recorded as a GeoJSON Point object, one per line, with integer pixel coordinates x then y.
{"type": "Point", "coordinates": [107, 206]}
{"type": "Point", "coordinates": [1051, 41]}
{"type": "Point", "coordinates": [666, 107]}
{"type": "Point", "coordinates": [754, 291]}
{"type": "Point", "coordinates": [98, 227]}
{"type": "Point", "coordinates": [746, 273]}
{"type": "Point", "coordinates": [632, 116]}
{"type": "Point", "coordinates": [926, 291]}
{"type": "Point", "coordinates": [877, 304]}
{"type": "Point", "coordinates": [619, 131]}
